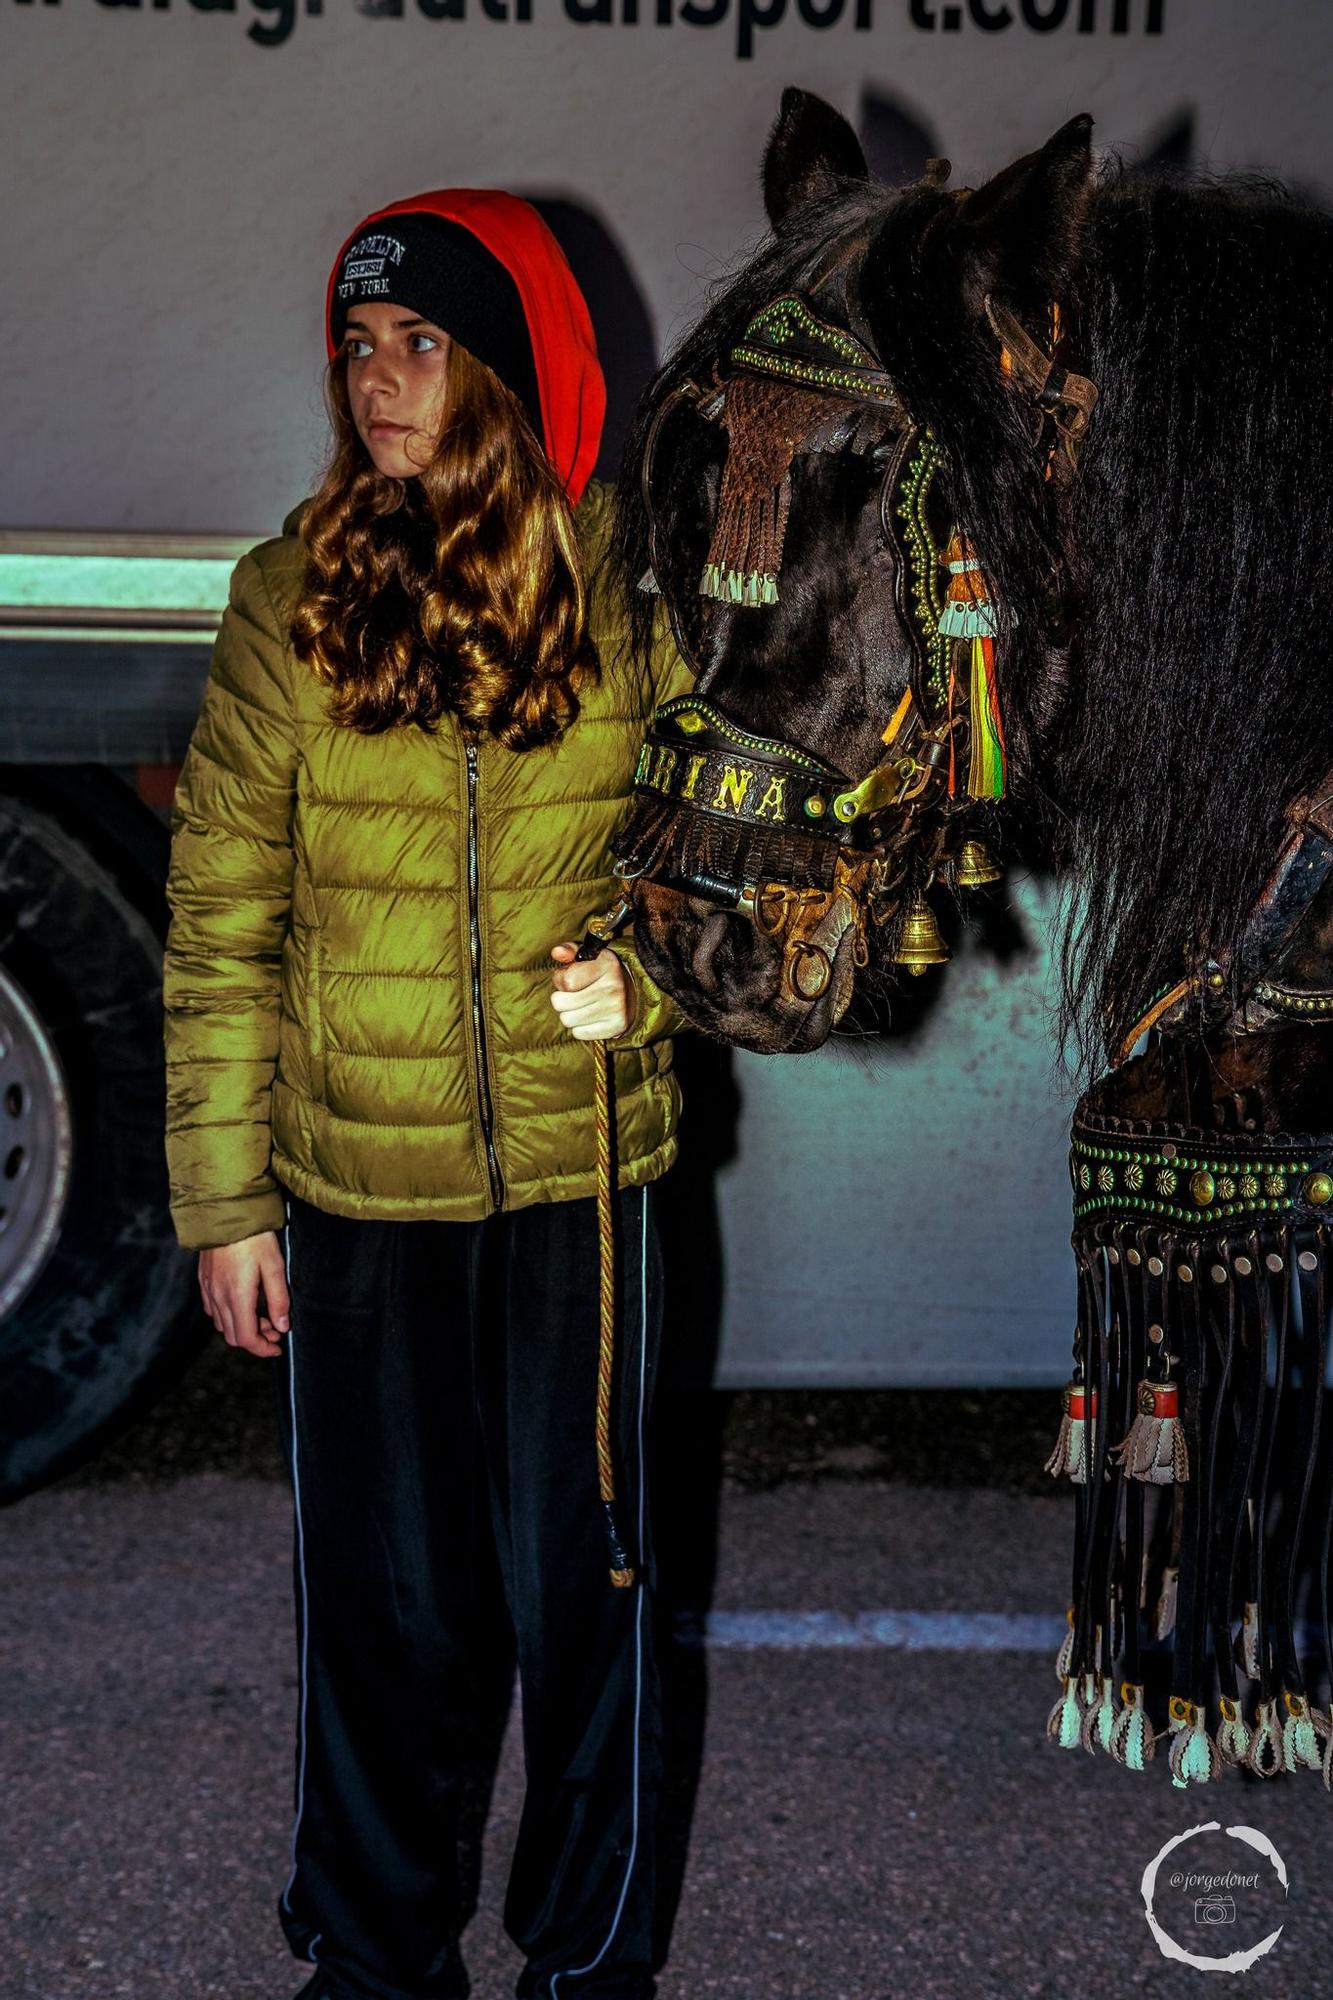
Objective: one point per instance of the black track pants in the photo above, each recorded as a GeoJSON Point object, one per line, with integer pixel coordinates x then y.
{"type": "Point", "coordinates": [440, 1400]}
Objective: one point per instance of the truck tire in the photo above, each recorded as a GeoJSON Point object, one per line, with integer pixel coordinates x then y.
{"type": "Point", "coordinates": [95, 1295]}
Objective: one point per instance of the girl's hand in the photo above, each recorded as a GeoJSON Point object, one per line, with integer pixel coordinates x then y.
{"type": "Point", "coordinates": [594, 999]}
{"type": "Point", "coordinates": [232, 1280]}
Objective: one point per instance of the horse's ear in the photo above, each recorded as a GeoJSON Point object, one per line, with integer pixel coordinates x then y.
{"type": "Point", "coordinates": [1021, 233]}
{"type": "Point", "coordinates": [810, 149]}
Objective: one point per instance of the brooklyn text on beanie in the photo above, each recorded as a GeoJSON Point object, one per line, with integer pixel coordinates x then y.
{"type": "Point", "coordinates": [442, 272]}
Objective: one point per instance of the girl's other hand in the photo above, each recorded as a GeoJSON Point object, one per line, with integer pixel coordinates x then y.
{"type": "Point", "coordinates": [593, 998]}
{"type": "Point", "coordinates": [234, 1279]}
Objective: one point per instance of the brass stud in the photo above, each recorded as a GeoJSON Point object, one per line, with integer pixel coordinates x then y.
{"type": "Point", "coordinates": [1156, 1335]}
{"type": "Point", "coordinates": [1308, 1261]}
{"type": "Point", "coordinates": [1244, 1266]}
{"type": "Point", "coordinates": [1133, 1257]}
{"type": "Point", "coordinates": [1185, 1274]}
{"type": "Point", "coordinates": [1218, 1274]}
{"type": "Point", "coordinates": [1156, 1266]}
{"type": "Point", "coordinates": [1319, 1190]}
{"type": "Point", "coordinates": [1203, 1187]}
{"type": "Point", "coordinates": [1273, 1261]}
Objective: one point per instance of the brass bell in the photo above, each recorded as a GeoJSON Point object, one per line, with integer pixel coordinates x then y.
{"type": "Point", "coordinates": [976, 866]}
{"type": "Point", "coordinates": [920, 944]}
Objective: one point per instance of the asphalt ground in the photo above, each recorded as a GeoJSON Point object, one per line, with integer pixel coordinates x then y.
{"type": "Point", "coordinates": [846, 1819]}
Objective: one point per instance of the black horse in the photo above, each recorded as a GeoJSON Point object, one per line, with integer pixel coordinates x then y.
{"type": "Point", "coordinates": [966, 503]}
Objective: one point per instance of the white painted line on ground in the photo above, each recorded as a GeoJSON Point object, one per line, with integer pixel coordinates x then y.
{"type": "Point", "coordinates": [909, 1631]}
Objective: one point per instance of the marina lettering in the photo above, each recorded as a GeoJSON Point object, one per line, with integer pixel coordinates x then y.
{"type": "Point", "coordinates": [735, 784]}
{"type": "Point", "coordinates": [775, 796]}
{"type": "Point", "coordinates": [697, 763]}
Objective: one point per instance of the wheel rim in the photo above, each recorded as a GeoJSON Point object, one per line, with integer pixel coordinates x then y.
{"type": "Point", "coordinates": [36, 1143]}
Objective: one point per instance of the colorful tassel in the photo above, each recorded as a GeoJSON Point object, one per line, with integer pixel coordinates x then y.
{"type": "Point", "coordinates": [1300, 1734]}
{"type": "Point", "coordinates": [986, 775]}
{"type": "Point", "coordinates": [1264, 1756]}
{"type": "Point", "coordinates": [1099, 1721]}
{"type": "Point", "coordinates": [967, 612]}
{"type": "Point", "coordinates": [1070, 1452]}
{"type": "Point", "coordinates": [1133, 1740]}
{"type": "Point", "coordinates": [1154, 1448]}
{"type": "Point", "coordinates": [1164, 1617]}
{"type": "Point", "coordinates": [1194, 1757]}
{"type": "Point", "coordinates": [1064, 1659]}
{"type": "Point", "coordinates": [1065, 1721]}
{"type": "Point", "coordinates": [1328, 1749]}
{"type": "Point", "coordinates": [1233, 1734]}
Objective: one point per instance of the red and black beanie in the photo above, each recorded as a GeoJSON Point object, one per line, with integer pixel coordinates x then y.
{"type": "Point", "coordinates": [484, 267]}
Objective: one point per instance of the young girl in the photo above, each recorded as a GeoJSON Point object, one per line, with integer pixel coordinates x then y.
{"type": "Point", "coordinates": [418, 732]}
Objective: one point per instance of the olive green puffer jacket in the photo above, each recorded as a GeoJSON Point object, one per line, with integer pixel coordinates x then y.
{"type": "Point", "coordinates": [358, 965]}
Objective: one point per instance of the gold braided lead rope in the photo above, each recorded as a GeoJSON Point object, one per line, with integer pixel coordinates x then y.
{"type": "Point", "coordinates": [599, 934]}
{"type": "Point", "coordinates": [622, 1574]}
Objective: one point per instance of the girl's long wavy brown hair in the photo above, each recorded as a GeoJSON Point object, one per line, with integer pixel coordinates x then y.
{"type": "Point", "coordinates": [459, 589]}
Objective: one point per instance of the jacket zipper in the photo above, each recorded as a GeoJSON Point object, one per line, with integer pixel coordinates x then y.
{"type": "Point", "coordinates": [478, 1017]}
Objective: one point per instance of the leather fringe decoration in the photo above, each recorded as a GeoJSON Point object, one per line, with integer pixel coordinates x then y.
{"type": "Point", "coordinates": [1203, 1481]}
{"type": "Point", "coordinates": [766, 423]}
{"type": "Point", "coordinates": [663, 840]}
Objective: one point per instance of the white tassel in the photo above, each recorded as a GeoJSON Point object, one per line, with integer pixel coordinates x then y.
{"type": "Point", "coordinates": [1164, 1618]}
{"type": "Point", "coordinates": [1099, 1721]}
{"type": "Point", "coordinates": [1133, 1740]}
{"type": "Point", "coordinates": [1070, 1454]}
{"type": "Point", "coordinates": [1300, 1734]}
{"type": "Point", "coordinates": [1233, 1734]}
{"type": "Point", "coordinates": [1264, 1756]}
{"type": "Point", "coordinates": [1194, 1757]}
{"type": "Point", "coordinates": [1065, 1721]}
{"type": "Point", "coordinates": [1247, 1642]}
{"type": "Point", "coordinates": [1154, 1447]}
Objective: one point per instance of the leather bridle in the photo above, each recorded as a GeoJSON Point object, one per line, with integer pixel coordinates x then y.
{"type": "Point", "coordinates": [757, 824]}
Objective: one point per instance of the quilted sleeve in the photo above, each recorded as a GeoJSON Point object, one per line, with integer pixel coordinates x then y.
{"type": "Point", "coordinates": [656, 1016]}
{"type": "Point", "coordinates": [229, 888]}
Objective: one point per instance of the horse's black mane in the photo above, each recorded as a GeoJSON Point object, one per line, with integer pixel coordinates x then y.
{"type": "Point", "coordinates": [1196, 542]}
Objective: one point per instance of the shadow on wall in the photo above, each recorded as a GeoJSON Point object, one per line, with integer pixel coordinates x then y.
{"type": "Point", "coordinates": [898, 140]}
{"type": "Point", "coordinates": [619, 314]}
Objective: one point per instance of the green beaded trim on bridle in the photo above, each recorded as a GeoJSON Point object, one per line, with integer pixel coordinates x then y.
{"type": "Point", "coordinates": [839, 361]}
{"type": "Point", "coordinates": [683, 708]}
{"type": "Point", "coordinates": [923, 558]}
{"type": "Point", "coordinates": [1299, 1005]}
{"type": "Point", "coordinates": [1145, 1180]}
